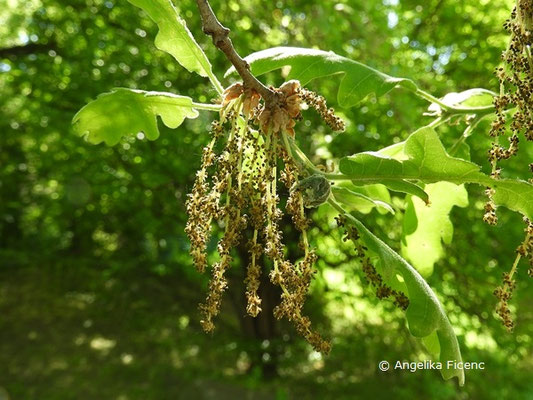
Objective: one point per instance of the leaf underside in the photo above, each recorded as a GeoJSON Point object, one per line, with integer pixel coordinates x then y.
{"type": "Point", "coordinates": [477, 97]}
{"type": "Point", "coordinates": [358, 80]}
{"type": "Point", "coordinates": [125, 112]}
{"type": "Point", "coordinates": [363, 198]}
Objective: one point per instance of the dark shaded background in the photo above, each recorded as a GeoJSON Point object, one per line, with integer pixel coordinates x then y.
{"type": "Point", "coordinates": [98, 296]}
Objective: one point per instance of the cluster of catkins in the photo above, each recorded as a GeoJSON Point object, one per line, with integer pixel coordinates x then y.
{"type": "Point", "coordinates": [516, 90]}
{"type": "Point", "coordinates": [383, 291]}
{"type": "Point", "coordinates": [505, 291]}
{"type": "Point", "coordinates": [237, 188]}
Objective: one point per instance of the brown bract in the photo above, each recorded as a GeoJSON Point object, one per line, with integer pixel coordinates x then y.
{"type": "Point", "coordinates": [250, 97]}
{"type": "Point", "coordinates": [281, 116]}
{"type": "Point", "coordinates": [250, 102]}
{"type": "Point", "coordinates": [231, 93]}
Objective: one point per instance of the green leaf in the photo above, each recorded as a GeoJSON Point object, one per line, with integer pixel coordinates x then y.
{"type": "Point", "coordinates": [364, 199]}
{"type": "Point", "coordinates": [358, 80]}
{"type": "Point", "coordinates": [174, 37]}
{"type": "Point", "coordinates": [425, 314]}
{"type": "Point", "coordinates": [402, 186]}
{"type": "Point", "coordinates": [395, 151]}
{"type": "Point", "coordinates": [477, 97]}
{"type": "Point", "coordinates": [463, 151]}
{"type": "Point", "coordinates": [425, 227]}
{"type": "Point", "coordinates": [126, 112]}
{"type": "Point", "coordinates": [374, 167]}
{"type": "Point", "coordinates": [428, 162]}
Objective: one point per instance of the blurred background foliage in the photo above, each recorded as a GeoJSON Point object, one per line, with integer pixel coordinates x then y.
{"type": "Point", "coordinates": [98, 296]}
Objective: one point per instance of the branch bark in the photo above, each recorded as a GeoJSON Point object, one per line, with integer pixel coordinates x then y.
{"type": "Point", "coordinates": [220, 35]}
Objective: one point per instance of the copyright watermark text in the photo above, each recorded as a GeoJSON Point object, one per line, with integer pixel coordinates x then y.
{"type": "Point", "coordinates": [413, 366]}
